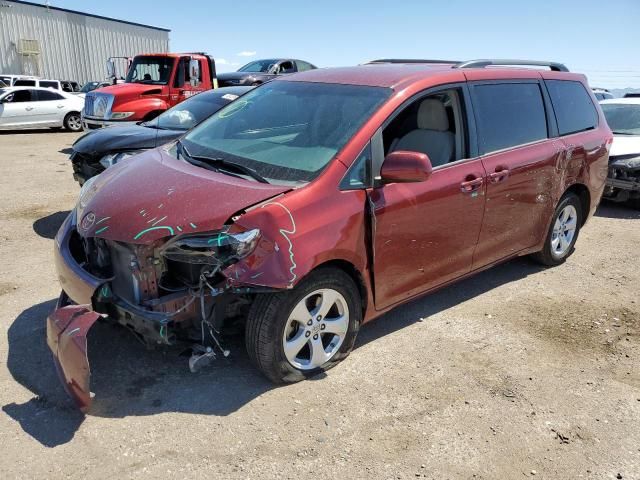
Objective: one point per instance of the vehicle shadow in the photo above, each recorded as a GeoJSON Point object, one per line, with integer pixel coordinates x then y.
{"type": "Point", "coordinates": [48, 226]}
{"type": "Point", "coordinates": [441, 300]}
{"type": "Point", "coordinates": [66, 151]}
{"type": "Point", "coordinates": [32, 131]}
{"type": "Point", "coordinates": [617, 210]}
{"type": "Point", "coordinates": [127, 380]}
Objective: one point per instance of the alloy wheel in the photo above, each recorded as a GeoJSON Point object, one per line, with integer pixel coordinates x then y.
{"type": "Point", "coordinates": [315, 329]}
{"type": "Point", "coordinates": [74, 122]}
{"type": "Point", "coordinates": [564, 231]}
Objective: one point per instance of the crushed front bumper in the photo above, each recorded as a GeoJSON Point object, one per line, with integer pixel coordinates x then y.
{"type": "Point", "coordinates": [67, 329]}
{"type": "Point", "coordinates": [67, 325]}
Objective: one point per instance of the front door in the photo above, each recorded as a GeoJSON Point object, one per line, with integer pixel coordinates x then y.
{"type": "Point", "coordinates": [18, 109]}
{"type": "Point", "coordinates": [425, 234]}
{"type": "Point", "coordinates": [183, 85]}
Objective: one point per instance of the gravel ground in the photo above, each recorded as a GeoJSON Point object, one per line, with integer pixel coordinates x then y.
{"type": "Point", "coordinates": [517, 372]}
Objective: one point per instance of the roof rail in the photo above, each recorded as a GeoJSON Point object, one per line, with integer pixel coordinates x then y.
{"type": "Point", "coordinates": [554, 66]}
{"type": "Point", "coordinates": [410, 60]}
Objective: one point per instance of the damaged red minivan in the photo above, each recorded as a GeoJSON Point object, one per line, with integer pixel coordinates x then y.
{"type": "Point", "coordinates": [319, 201]}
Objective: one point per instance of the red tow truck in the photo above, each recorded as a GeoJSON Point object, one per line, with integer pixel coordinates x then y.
{"type": "Point", "coordinates": [154, 83]}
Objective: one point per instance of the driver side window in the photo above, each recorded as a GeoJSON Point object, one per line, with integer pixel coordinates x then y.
{"type": "Point", "coordinates": [19, 96]}
{"type": "Point", "coordinates": [432, 124]}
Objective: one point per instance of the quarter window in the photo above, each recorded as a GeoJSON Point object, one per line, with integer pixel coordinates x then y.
{"type": "Point", "coordinates": [572, 104]}
{"type": "Point", "coordinates": [509, 114]}
{"type": "Point", "coordinates": [358, 175]}
{"type": "Point", "coordinates": [304, 66]}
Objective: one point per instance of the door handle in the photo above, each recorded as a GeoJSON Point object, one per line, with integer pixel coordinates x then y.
{"type": "Point", "coordinates": [469, 186]}
{"type": "Point", "coordinates": [499, 176]}
{"type": "Point", "coordinates": [60, 106]}
{"type": "Point", "coordinates": [28, 109]}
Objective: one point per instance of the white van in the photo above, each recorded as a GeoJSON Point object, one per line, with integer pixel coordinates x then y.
{"type": "Point", "coordinates": [37, 82]}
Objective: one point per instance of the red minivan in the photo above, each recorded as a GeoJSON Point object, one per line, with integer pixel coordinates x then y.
{"type": "Point", "coordinates": [319, 201]}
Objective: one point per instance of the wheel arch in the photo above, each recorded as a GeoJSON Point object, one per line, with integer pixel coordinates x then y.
{"type": "Point", "coordinates": [353, 272]}
{"type": "Point", "coordinates": [584, 195]}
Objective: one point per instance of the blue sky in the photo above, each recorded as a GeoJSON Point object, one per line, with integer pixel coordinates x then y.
{"type": "Point", "coordinates": [601, 39]}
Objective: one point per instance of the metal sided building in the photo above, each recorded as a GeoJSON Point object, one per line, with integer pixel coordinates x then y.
{"type": "Point", "coordinates": [61, 44]}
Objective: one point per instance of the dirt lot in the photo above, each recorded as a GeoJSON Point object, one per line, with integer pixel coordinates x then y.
{"type": "Point", "coordinates": [517, 372]}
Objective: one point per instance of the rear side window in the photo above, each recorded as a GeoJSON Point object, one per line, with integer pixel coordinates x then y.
{"type": "Point", "coordinates": [575, 112]}
{"type": "Point", "coordinates": [44, 95]}
{"type": "Point", "coordinates": [509, 114]}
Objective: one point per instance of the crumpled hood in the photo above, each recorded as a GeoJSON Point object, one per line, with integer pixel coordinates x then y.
{"type": "Point", "coordinates": [625, 145]}
{"type": "Point", "coordinates": [113, 139]}
{"type": "Point", "coordinates": [156, 196]}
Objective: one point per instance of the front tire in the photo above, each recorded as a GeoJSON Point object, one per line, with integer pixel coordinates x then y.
{"type": "Point", "coordinates": [563, 232]}
{"type": "Point", "coordinates": [73, 122]}
{"type": "Point", "coordinates": [297, 334]}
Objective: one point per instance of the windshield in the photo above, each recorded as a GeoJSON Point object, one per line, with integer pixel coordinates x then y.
{"type": "Point", "coordinates": [189, 113]}
{"type": "Point", "coordinates": [150, 70]}
{"type": "Point", "coordinates": [623, 119]}
{"type": "Point", "coordinates": [286, 131]}
{"type": "Point", "coordinates": [88, 87]}
{"type": "Point", "coordinates": [258, 66]}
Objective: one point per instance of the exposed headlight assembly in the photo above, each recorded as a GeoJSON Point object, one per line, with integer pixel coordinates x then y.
{"type": "Point", "coordinates": [218, 248]}
{"type": "Point", "coordinates": [113, 158]}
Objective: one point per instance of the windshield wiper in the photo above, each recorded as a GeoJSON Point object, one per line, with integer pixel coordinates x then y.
{"type": "Point", "coordinates": [220, 163]}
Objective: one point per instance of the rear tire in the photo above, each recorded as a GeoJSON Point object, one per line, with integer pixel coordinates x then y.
{"type": "Point", "coordinates": [299, 320]}
{"type": "Point", "coordinates": [563, 232]}
{"type": "Point", "coordinates": [73, 122]}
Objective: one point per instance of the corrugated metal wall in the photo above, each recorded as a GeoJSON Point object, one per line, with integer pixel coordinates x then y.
{"type": "Point", "coordinates": [73, 46]}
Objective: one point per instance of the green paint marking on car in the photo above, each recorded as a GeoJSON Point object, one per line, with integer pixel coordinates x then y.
{"type": "Point", "coordinates": [171, 232]}
{"type": "Point", "coordinates": [101, 230]}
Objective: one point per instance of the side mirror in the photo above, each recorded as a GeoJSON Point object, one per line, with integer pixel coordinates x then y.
{"type": "Point", "coordinates": [404, 167]}
{"type": "Point", "coordinates": [111, 68]}
{"type": "Point", "coordinates": [194, 72]}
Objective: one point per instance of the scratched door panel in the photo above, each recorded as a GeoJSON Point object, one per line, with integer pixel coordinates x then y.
{"type": "Point", "coordinates": [520, 203]}
{"type": "Point", "coordinates": [425, 233]}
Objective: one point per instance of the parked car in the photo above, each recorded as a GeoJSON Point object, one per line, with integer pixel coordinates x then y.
{"type": "Point", "coordinates": [100, 149]}
{"type": "Point", "coordinates": [91, 86]}
{"type": "Point", "coordinates": [602, 94]}
{"type": "Point", "coordinates": [260, 71]}
{"type": "Point", "coordinates": [70, 86]}
{"type": "Point", "coordinates": [37, 82]}
{"type": "Point", "coordinates": [623, 181]}
{"type": "Point", "coordinates": [319, 201]}
{"type": "Point", "coordinates": [25, 108]}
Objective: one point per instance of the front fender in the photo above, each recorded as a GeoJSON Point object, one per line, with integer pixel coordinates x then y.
{"type": "Point", "coordinates": [298, 236]}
